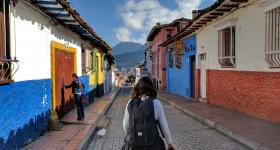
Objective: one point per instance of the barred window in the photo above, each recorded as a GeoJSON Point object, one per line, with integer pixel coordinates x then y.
{"type": "Point", "coordinates": [178, 59]}
{"type": "Point", "coordinates": [226, 45]}
{"type": "Point", "coordinates": [272, 43]}
{"type": "Point", "coordinates": [170, 51]}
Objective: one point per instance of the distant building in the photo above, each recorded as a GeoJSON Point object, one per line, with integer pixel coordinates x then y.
{"type": "Point", "coordinates": [157, 36]}
{"type": "Point", "coordinates": [139, 72]}
{"type": "Point", "coordinates": [148, 58]}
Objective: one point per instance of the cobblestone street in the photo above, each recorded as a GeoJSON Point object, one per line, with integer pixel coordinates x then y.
{"type": "Point", "coordinates": [187, 133]}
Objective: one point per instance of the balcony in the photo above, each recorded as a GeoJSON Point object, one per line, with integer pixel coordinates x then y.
{"type": "Point", "coordinates": [8, 69]}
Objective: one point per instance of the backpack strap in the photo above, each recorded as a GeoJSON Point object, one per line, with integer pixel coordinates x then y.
{"type": "Point", "coordinates": [158, 124]}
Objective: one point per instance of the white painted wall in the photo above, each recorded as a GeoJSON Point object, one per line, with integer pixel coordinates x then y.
{"type": "Point", "coordinates": [250, 40]}
{"type": "Point", "coordinates": [31, 36]}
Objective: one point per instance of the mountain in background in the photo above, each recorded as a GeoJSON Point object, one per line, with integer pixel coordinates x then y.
{"type": "Point", "coordinates": [126, 47]}
{"type": "Point", "coordinates": [128, 54]}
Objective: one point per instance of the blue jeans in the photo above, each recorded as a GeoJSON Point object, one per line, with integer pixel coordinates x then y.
{"type": "Point", "coordinates": [80, 108]}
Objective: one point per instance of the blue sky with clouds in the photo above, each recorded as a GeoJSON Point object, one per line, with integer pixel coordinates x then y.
{"type": "Point", "coordinates": [131, 20]}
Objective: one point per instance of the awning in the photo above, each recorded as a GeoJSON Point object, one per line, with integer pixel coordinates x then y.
{"type": "Point", "coordinates": [66, 15]}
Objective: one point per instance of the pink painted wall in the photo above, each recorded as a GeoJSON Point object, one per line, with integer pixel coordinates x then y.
{"type": "Point", "coordinates": [159, 54]}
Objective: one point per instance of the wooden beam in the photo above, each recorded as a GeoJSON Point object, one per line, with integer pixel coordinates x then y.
{"type": "Point", "coordinates": [193, 28]}
{"type": "Point", "coordinates": [206, 20]}
{"type": "Point", "coordinates": [197, 26]}
{"type": "Point", "coordinates": [189, 30]}
{"type": "Point", "coordinates": [239, 1]}
{"type": "Point", "coordinates": [223, 9]}
{"type": "Point", "coordinates": [216, 14]}
{"type": "Point", "coordinates": [6, 81]}
{"type": "Point", "coordinates": [230, 5]}
{"type": "Point", "coordinates": [201, 23]}
{"type": "Point", "coordinates": [211, 17]}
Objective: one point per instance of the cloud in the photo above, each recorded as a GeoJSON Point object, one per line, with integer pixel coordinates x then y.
{"type": "Point", "coordinates": [123, 34]}
{"type": "Point", "coordinates": [139, 16]}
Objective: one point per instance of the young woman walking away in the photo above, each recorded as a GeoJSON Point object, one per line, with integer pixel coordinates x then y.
{"type": "Point", "coordinates": [144, 118]}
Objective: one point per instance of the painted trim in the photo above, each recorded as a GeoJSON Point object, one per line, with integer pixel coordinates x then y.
{"type": "Point", "coordinates": [227, 23]}
{"type": "Point", "coordinates": [54, 46]}
{"type": "Point", "coordinates": [269, 5]}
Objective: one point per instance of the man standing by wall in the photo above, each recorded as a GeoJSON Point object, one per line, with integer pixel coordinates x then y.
{"type": "Point", "coordinates": [77, 90]}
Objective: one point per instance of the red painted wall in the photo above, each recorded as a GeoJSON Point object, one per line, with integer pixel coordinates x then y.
{"type": "Point", "coordinates": [253, 93]}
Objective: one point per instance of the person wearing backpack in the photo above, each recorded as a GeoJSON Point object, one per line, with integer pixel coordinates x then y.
{"type": "Point", "coordinates": [77, 90]}
{"type": "Point", "coordinates": [143, 119]}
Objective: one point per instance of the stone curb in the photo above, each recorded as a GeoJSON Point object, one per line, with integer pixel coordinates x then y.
{"type": "Point", "coordinates": [220, 128]}
{"type": "Point", "coordinates": [88, 138]}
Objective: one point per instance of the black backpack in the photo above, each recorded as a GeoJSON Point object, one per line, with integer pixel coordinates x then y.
{"type": "Point", "coordinates": [143, 127]}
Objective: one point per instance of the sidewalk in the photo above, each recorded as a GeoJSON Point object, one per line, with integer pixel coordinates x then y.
{"type": "Point", "coordinates": [252, 132]}
{"type": "Point", "coordinates": [74, 132]}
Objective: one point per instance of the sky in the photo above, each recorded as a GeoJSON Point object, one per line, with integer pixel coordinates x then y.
{"type": "Point", "coordinates": [131, 20]}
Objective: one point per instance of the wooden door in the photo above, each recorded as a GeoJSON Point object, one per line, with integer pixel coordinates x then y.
{"type": "Point", "coordinates": [64, 68]}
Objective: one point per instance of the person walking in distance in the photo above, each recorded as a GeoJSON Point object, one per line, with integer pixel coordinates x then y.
{"type": "Point", "coordinates": [77, 90]}
{"type": "Point", "coordinates": [144, 116]}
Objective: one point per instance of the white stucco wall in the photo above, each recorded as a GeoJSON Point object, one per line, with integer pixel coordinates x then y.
{"type": "Point", "coordinates": [250, 40]}
{"type": "Point", "coordinates": [31, 36]}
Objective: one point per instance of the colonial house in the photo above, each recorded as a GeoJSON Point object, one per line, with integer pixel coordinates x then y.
{"type": "Point", "coordinates": [42, 42]}
{"type": "Point", "coordinates": [180, 65]}
{"type": "Point", "coordinates": [157, 36]}
{"type": "Point", "coordinates": [238, 56]}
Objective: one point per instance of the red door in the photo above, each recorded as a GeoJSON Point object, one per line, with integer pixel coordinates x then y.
{"type": "Point", "coordinates": [64, 68]}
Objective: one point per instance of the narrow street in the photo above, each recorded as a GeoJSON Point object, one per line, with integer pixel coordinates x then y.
{"type": "Point", "coordinates": [187, 133]}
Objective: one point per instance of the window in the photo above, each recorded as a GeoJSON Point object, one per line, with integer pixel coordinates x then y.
{"type": "Point", "coordinates": [178, 61]}
{"type": "Point", "coordinates": [272, 43]}
{"type": "Point", "coordinates": [178, 28]}
{"type": "Point", "coordinates": [226, 45]}
{"type": "Point", "coordinates": [84, 67]}
{"type": "Point", "coordinates": [180, 47]}
{"type": "Point", "coordinates": [168, 34]}
{"type": "Point", "coordinates": [8, 67]}
{"type": "Point", "coordinates": [96, 68]}
{"type": "Point", "coordinates": [91, 61]}
{"type": "Point", "coordinates": [170, 51]}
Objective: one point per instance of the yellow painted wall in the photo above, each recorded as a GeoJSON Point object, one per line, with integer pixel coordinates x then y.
{"type": "Point", "coordinates": [54, 47]}
{"type": "Point", "coordinates": [99, 67]}
{"type": "Point", "coordinates": [97, 73]}
{"type": "Point", "coordinates": [92, 73]}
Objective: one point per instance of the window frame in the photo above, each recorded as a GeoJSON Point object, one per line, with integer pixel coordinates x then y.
{"type": "Point", "coordinates": [168, 33]}
{"type": "Point", "coordinates": [227, 46]}
{"type": "Point", "coordinates": [272, 37]}
{"type": "Point", "coordinates": [8, 66]}
{"type": "Point", "coordinates": [170, 57]}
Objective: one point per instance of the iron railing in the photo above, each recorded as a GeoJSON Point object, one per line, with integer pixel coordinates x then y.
{"type": "Point", "coordinates": [8, 69]}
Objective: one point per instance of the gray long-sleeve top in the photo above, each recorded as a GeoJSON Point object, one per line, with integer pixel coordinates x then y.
{"type": "Point", "coordinates": [159, 116]}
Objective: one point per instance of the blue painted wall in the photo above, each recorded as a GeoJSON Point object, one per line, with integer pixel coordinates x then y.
{"type": "Point", "coordinates": [85, 80]}
{"type": "Point", "coordinates": [24, 111]}
{"type": "Point", "coordinates": [179, 80]}
{"type": "Point", "coordinates": [108, 81]}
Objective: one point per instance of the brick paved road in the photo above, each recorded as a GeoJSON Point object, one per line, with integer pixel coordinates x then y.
{"type": "Point", "coordinates": [187, 134]}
